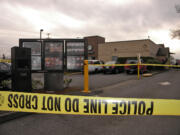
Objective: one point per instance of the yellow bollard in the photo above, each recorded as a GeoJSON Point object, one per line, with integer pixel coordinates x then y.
{"type": "Point", "coordinates": [86, 77]}
{"type": "Point", "coordinates": [138, 71]}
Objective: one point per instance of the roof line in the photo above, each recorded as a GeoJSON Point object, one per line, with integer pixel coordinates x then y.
{"type": "Point", "coordinates": [132, 41]}
{"type": "Point", "coordinates": [93, 36]}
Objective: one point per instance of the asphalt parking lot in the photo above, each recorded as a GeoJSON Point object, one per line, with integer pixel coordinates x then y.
{"type": "Point", "coordinates": [97, 81]}
{"type": "Point", "coordinates": [164, 85]}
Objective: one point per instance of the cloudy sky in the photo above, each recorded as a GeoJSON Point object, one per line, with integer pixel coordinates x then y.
{"type": "Point", "coordinates": [116, 20]}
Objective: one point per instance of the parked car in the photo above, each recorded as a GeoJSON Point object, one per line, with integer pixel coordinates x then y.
{"type": "Point", "coordinates": [93, 68]}
{"type": "Point", "coordinates": [112, 69]}
{"type": "Point", "coordinates": [5, 71]}
{"type": "Point", "coordinates": [133, 69]}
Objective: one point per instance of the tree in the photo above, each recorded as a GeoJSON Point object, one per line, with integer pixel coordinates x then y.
{"type": "Point", "coordinates": [4, 57]}
{"type": "Point", "coordinates": [176, 33]}
{"type": "Point", "coordinates": [177, 8]}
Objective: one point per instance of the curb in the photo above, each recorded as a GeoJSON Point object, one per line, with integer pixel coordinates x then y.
{"type": "Point", "coordinates": [91, 93]}
{"type": "Point", "coordinates": [74, 73]}
{"type": "Point", "coordinates": [156, 73]}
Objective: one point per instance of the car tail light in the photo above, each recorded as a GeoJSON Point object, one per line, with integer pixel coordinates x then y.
{"type": "Point", "coordinates": [127, 67]}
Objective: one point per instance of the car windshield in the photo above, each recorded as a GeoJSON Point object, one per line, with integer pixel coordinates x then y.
{"type": "Point", "coordinates": [4, 66]}
{"type": "Point", "coordinates": [110, 62]}
{"type": "Point", "coordinates": [93, 62]}
{"type": "Point", "coordinates": [131, 61]}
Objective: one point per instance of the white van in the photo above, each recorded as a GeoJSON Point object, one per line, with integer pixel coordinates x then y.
{"type": "Point", "coordinates": [95, 69]}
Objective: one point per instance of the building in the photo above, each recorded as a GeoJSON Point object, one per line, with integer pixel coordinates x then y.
{"type": "Point", "coordinates": [146, 48]}
{"type": "Point", "coordinates": [93, 42]}
{"type": "Point", "coordinates": [163, 54]}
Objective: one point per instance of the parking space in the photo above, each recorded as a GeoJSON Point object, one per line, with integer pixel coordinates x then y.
{"type": "Point", "coordinates": [163, 86]}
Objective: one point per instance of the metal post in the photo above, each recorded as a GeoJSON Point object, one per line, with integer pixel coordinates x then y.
{"type": "Point", "coordinates": [86, 77]}
{"type": "Point", "coordinates": [138, 66]}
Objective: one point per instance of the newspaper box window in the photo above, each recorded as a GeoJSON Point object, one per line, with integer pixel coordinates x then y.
{"type": "Point", "coordinates": [36, 54]}
{"type": "Point", "coordinates": [75, 55]}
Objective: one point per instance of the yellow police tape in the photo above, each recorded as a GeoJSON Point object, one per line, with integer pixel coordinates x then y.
{"type": "Point", "coordinates": [121, 65]}
{"type": "Point", "coordinates": [5, 60]}
{"type": "Point", "coordinates": [86, 105]}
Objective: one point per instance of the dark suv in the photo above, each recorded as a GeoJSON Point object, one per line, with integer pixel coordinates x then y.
{"type": "Point", "coordinates": [112, 69]}
{"type": "Point", "coordinates": [5, 71]}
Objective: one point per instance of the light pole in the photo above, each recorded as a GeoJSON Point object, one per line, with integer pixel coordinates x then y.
{"type": "Point", "coordinates": [41, 30]}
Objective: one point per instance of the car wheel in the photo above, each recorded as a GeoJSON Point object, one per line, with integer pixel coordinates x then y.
{"type": "Point", "coordinates": [116, 71]}
{"type": "Point", "coordinates": [127, 72]}
{"type": "Point", "coordinates": [141, 71]}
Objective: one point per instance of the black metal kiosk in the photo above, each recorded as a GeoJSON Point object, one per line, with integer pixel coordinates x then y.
{"type": "Point", "coordinates": [21, 69]}
{"type": "Point", "coordinates": [52, 56]}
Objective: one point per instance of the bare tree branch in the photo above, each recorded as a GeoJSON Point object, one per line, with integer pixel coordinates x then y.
{"type": "Point", "coordinates": [177, 8]}
{"type": "Point", "coordinates": [175, 33]}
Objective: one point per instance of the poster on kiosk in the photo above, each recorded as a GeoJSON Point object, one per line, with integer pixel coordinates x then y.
{"type": "Point", "coordinates": [75, 51]}
{"type": "Point", "coordinates": [53, 56]}
{"type": "Point", "coordinates": [36, 54]}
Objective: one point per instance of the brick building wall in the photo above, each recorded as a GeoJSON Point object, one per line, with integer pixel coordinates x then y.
{"type": "Point", "coordinates": [146, 48]}
{"type": "Point", "coordinates": [93, 42]}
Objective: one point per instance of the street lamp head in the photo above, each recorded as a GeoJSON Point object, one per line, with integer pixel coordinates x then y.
{"type": "Point", "coordinates": [41, 30]}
